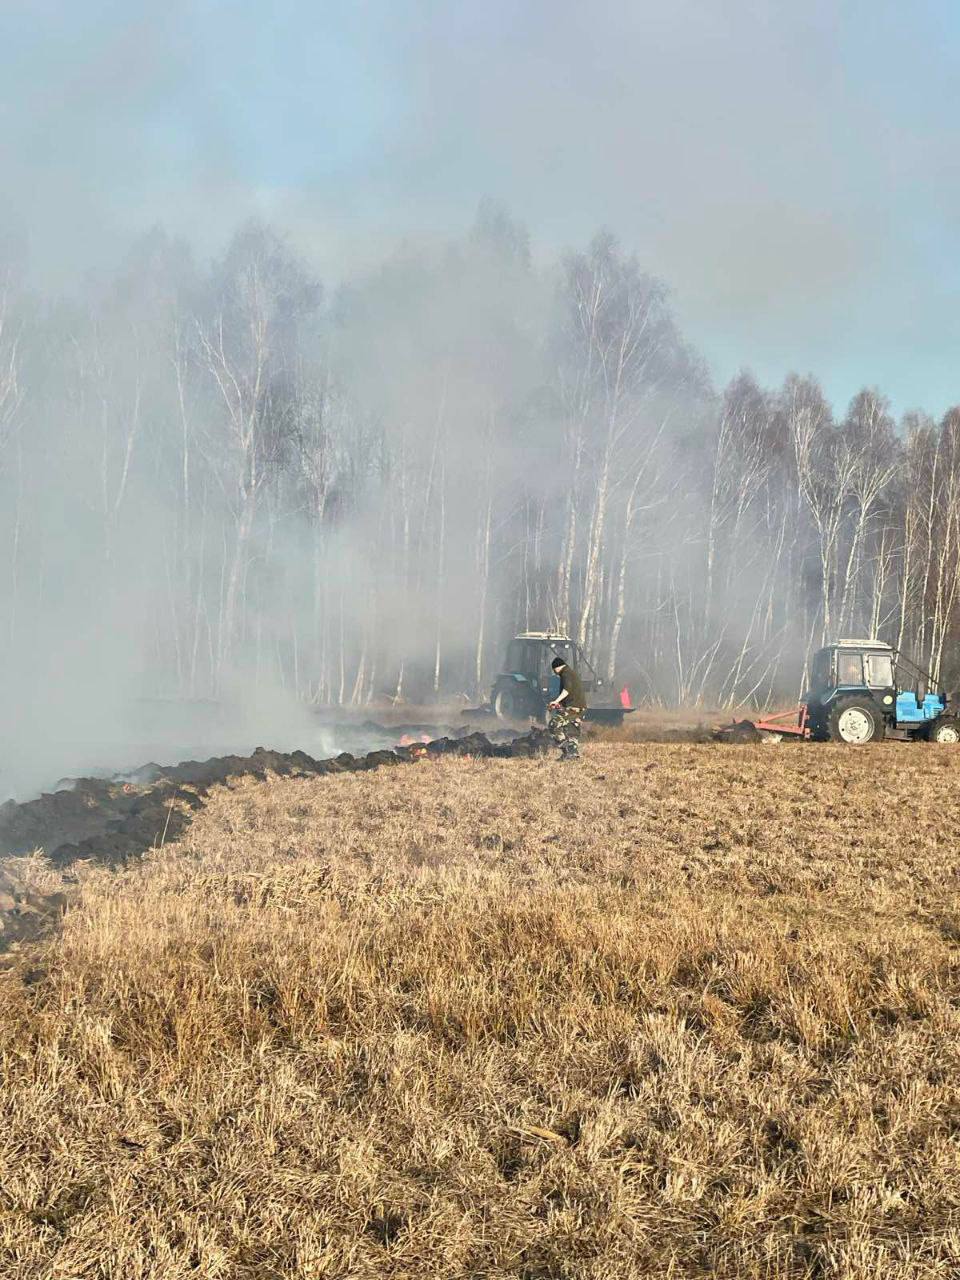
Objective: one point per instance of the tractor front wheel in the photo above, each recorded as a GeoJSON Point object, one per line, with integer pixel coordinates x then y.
{"type": "Point", "coordinates": [946, 730]}
{"type": "Point", "coordinates": [855, 721]}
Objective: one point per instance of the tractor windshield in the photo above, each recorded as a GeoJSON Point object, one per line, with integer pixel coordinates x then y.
{"type": "Point", "coordinates": [879, 670]}
{"type": "Point", "coordinates": [566, 650]}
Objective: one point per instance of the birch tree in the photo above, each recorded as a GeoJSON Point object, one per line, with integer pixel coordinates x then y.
{"type": "Point", "coordinates": [247, 344]}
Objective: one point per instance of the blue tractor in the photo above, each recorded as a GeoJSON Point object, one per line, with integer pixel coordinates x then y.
{"type": "Point", "coordinates": [860, 691]}
{"type": "Point", "coordinates": [864, 690]}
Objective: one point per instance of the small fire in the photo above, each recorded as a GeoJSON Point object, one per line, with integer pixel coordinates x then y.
{"type": "Point", "coordinates": [407, 741]}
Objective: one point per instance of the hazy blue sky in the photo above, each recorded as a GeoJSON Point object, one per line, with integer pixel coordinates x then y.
{"type": "Point", "coordinates": [791, 169]}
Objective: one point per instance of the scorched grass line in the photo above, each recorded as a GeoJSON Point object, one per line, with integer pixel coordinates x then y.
{"type": "Point", "coordinates": [111, 821]}
{"type": "Point", "coordinates": [341, 1031]}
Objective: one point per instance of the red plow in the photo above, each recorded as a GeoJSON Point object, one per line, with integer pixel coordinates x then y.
{"type": "Point", "coordinates": [793, 724]}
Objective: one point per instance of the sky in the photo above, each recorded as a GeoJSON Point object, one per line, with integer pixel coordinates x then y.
{"type": "Point", "coordinates": [792, 171]}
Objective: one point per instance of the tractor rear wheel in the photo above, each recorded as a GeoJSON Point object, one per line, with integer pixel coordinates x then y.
{"type": "Point", "coordinates": [510, 704]}
{"type": "Point", "coordinates": [855, 721]}
{"type": "Point", "coordinates": [946, 730]}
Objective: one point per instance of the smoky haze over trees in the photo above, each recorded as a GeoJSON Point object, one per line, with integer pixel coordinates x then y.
{"type": "Point", "coordinates": [220, 478]}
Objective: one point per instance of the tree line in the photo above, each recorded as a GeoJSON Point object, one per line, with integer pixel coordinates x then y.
{"type": "Point", "coordinates": [222, 474]}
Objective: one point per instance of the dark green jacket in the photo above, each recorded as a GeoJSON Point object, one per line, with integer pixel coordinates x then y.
{"type": "Point", "coordinates": [570, 681]}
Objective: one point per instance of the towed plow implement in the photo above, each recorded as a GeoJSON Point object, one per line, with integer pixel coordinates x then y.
{"type": "Point", "coordinates": [791, 724]}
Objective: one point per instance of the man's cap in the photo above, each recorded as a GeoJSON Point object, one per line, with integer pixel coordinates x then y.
{"type": "Point", "coordinates": [557, 663]}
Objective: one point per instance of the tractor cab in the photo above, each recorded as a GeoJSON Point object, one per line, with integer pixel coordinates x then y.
{"type": "Point", "coordinates": [863, 690]}
{"type": "Point", "coordinates": [857, 665]}
{"type": "Point", "coordinates": [527, 683]}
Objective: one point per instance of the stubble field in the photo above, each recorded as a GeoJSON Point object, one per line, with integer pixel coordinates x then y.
{"type": "Point", "coordinates": [678, 1010]}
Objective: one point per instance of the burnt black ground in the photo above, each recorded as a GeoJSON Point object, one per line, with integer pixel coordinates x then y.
{"type": "Point", "coordinates": [109, 821]}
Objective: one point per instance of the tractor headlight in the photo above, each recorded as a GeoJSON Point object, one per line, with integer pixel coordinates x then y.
{"type": "Point", "coordinates": [888, 698]}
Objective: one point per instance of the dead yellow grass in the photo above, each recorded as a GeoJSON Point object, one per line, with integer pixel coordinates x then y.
{"type": "Point", "coordinates": [677, 1011]}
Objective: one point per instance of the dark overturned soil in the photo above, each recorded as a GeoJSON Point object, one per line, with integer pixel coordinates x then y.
{"type": "Point", "coordinates": [109, 821]}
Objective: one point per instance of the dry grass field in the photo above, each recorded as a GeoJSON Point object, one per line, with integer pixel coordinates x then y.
{"type": "Point", "coordinates": [679, 1010]}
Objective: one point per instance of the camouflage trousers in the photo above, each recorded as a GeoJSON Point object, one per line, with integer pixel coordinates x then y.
{"type": "Point", "coordinates": [564, 728]}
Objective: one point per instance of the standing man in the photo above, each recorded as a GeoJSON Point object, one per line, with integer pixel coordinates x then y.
{"type": "Point", "coordinates": [567, 710]}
